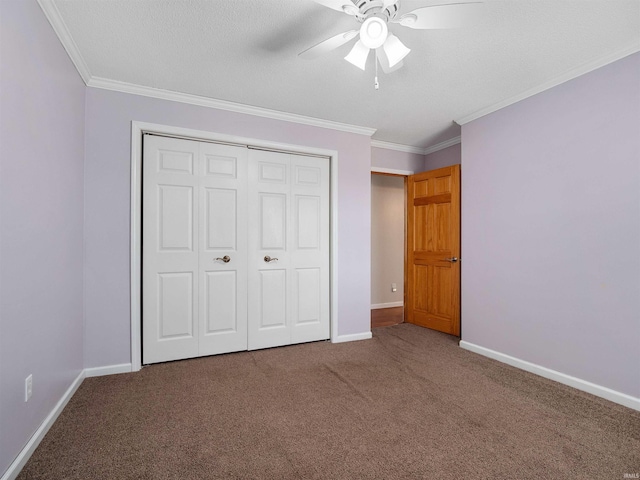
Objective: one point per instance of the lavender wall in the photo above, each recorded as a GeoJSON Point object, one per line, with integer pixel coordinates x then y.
{"type": "Point", "coordinates": [384, 158]}
{"type": "Point", "coordinates": [41, 204]}
{"type": "Point", "coordinates": [443, 158]}
{"type": "Point", "coordinates": [551, 228]}
{"type": "Point", "coordinates": [107, 207]}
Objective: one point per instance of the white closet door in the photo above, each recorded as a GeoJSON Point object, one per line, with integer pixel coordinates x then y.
{"type": "Point", "coordinates": [309, 249]}
{"type": "Point", "coordinates": [195, 218]}
{"type": "Point", "coordinates": [269, 301]}
{"type": "Point", "coordinates": [223, 249]}
{"type": "Point", "coordinates": [288, 223]}
{"type": "Point", "coordinates": [170, 249]}
{"type": "Point", "coordinates": [235, 249]}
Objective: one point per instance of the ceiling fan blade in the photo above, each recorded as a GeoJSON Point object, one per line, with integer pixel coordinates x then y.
{"type": "Point", "coordinates": [394, 50]}
{"type": "Point", "coordinates": [358, 55]}
{"type": "Point", "coordinates": [384, 61]}
{"type": "Point", "coordinates": [388, 3]}
{"type": "Point", "coordinates": [328, 45]}
{"type": "Point", "coordinates": [453, 15]}
{"type": "Point", "coordinates": [339, 4]}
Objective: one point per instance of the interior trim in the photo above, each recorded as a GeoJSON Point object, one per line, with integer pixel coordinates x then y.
{"type": "Point", "coordinates": [592, 388]}
{"type": "Point", "coordinates": [418, 150]}
{"type": "Point", "coordinates": [55, 19]}
{"type": "Point", "coordinates": [565, 77]}
{"type": "Point", "coordinates": [107, 370]}
{"type": "Point", "coordinates": [26, 452]}
{"type": "Point", "coordinates": [352, 337]}
{"type": "Point", "coordinates": [397, 147]}
{"type": "Point", "coordinates": [57, 23]}
{"type": "Point", "coordinates": [379, 306]}
{"type": "Point", "coordinates": [392, 171]}
{"type": "Point", "coordinates": [187, 98]}
{"type": "Point", "coordinates": [442, 145]}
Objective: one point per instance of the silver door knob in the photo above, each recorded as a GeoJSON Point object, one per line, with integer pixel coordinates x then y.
{"type": "Point", "coordinates": [269, 259]}
{"type": "Point", "coordinates": [225, 259]}
{"type": "Point", "coordinates": [452, 259]}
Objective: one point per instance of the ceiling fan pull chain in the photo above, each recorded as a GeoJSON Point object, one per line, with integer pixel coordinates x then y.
{"type": "Point", "coordinates": [375, 82]}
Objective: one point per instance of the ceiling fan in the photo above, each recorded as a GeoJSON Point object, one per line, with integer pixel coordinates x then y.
{"type": "Point", "coordinates": [375, 17]}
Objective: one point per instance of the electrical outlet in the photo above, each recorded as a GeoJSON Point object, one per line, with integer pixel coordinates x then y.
{"type": "Point", "coordinates": [28, 387]}
{"type": "Point", "coordinates": [394, 288]}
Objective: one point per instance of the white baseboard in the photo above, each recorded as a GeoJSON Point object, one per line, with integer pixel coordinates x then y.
{"type": "Point", "coordinates": [24, 455]}
{"type": "Point", "coordinates": [108, 370]}
{"type": "Point", "coordinates": [352, 337]}
{"type": "Point", "coordinates": [592, 388]}
{"type": "Point", "coordinates": [377, 306]}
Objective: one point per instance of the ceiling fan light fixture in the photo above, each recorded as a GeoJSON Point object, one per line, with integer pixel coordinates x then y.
{"type": "Point", "coordinates": [374, 32]}
{"type": "Point", "coordinates": [395, 50]}
{"type": "Point", "coordinates": [358, 55]}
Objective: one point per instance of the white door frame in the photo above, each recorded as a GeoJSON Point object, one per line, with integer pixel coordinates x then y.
{"type": "Point", "coordinates": [137, 129]}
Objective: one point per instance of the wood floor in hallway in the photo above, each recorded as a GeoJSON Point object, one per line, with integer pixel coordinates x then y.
{"type": "Point", "coordinates": [385, 317]}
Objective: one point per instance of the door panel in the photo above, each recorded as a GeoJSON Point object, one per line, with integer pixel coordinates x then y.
{"type": "Point", "coordinates": [269, 185]}
{"type": "Point", "coordinates": [433, 240]}
{"type": "Point", "coordinates": [175, 295]}
{"type": "Point", "coordinates": [307, 221]}
{"type": "Point", "coordinates": [175, 217]}
{"type": "Point", "coordinates": [221, 297]}
{"type": "Point", "coordinates": [170, 254]}
{"type": "Point", "coordinates": [289, 295]}
{"type": "Point", "coordinates": [310, 249]}
{"type": "Point", "coordinates": [223, 291]}
{"type": "Point", "coordinates": [220, 166]}
{"type": "Point", "coordinates": [307, 296]}
{"type": "Point", "coordinates": [273, 301]}
{"type": "Point", "coordinates": [175, 161]}
{"type": "Point", "coordinates": [273, 221]}
{"type": "Point", "coordinates": [220, 219]}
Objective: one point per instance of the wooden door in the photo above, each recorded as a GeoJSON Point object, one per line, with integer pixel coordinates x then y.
{"type": "Point", "coordinates": [433, 250]}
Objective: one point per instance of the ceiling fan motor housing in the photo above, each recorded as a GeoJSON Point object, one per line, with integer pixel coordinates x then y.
{"type": "Point", "coordinates": [374, 32]}
{"type": "Point", "coordinates": [368, 8]}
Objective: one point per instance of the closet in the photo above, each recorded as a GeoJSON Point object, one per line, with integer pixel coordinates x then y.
{"type": "Point", "coordinates": [235, 248]}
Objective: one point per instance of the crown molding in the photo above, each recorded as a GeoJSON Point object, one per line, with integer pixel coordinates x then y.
{"type": "Point", "coordinates": [131, 88]}
{"type": "Point", "coordinates": [570, 75]}
{"type": "Point", "coordinates": [55, 19]}
{"type": "Point", "coordinates": [392, 171]}
{"type": "Point", "coordinates": [442, 145]}
{"type": "Point", "coordinates": [397, 147]}
{"type": "Point", "coordinates": [57, 23]}
{"type": "Point", "coordinates": [52, 14]}
{"type": "Point", "coordinates": [418, 150]}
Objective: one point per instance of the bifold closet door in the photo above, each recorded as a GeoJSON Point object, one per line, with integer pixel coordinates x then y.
{"type": "Point", "coordinates": [235, 252]}
{"type": "Point", "coordinates": [223, 249]}
{"type": "Point", "coordinates": [288, 249]}
{"type": "Point", "coordinates": [194, 271]}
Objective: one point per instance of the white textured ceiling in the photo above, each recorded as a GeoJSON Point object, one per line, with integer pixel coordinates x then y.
{"type": "Point", "coordinates": [245, 51]}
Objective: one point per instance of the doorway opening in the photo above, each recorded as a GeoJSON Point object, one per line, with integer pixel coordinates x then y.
{"type": "Point", "coordinates": [429, 219]}
{"type": "Point", "coordinates": [388, 247]}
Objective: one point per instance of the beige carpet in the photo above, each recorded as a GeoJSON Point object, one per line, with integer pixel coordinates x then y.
{"type": "Point", "coordinates": [407, 404]}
